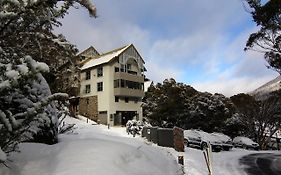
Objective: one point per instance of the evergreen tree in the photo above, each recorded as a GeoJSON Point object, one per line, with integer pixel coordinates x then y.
{"type": "Point", "coordinates": [167, 104]}
{"type": "Point", "coordinates": [209, 112]}
{"type": "Point", "coordinates": [27, 106]}
{"type": "Point", "coordinates": [176, 104]}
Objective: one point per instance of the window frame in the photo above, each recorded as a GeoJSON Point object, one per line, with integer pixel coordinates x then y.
{"type": "Point", "coordinates": [99, 86]}
{"type": "Point", "coordinates": [100, 71]}
{"type": "Point", "coordinates": [116, 99]}
{"type": "Point", "coordinates": [126, 99]}
{"type": "Point", "coordinates": [88, 75]}
{"type": "Point", "coordinates": [87, 88]}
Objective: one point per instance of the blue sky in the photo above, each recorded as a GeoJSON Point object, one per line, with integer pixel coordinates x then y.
{"type": "Point", "coordinates": [197, 42]}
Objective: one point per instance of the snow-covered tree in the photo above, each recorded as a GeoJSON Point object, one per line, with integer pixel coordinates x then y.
{"type": "Point", "coordinates": [166, 104]}
{"type": "Point", "coordinates": [258, 119]}
{"type": "Point", "coordinates": [27, 43]}
{"type": "Point", "coordinates": [177, 104]}
{"type": "Point", "coordinates": [209, 112]}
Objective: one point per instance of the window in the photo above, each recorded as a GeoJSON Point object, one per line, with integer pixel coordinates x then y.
{"type": "Point", "coordinates": [116, 99]}
{"type": "Point", "coordinates": [127, 84]}
{"type": "Point", "coordinates": [102, 112]}
{"type": "Point", "coordinates": [88, 75]}
{"type": "Point", "coordinates": [123, 68]}
{"type": "Point", "coordinates": [126, 100]}
{"type": "Point", "coordinates": [129, 66]}
{"type": "Point", "coordinates": [116, 69]}
{"type": "Point", "coordinates": [88, 89]}
{"type": "Point", "coordinates": [100, 71]}
{"type": "Point", "coordinates": [122, 83]}
{"type": "Point", "coordinates": [100, 86]}
{"type": "Point", "coordinates": [116, 83]}
{"type": "Point", "coordinates": [136, 100]}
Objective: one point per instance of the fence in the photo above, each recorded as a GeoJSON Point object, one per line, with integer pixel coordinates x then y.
{"type": "Point", "coordinates": [166, 137]}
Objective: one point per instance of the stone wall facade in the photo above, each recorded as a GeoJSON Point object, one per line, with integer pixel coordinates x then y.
{"type": "Point", "coordinates": [88, 107]}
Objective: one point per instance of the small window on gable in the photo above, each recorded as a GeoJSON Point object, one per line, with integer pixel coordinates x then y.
{"type": "Point", "coordinates": [88, 75]}
{"type": "Point", "coordinates": [126, 99]}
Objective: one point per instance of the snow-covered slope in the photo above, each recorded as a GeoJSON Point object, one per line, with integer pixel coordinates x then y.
{"type": "Point", "coordinates": [95, 149]}
{"type": "Point", "coordinates": [263, 91]}
{"type": "Point", "coordinates": [92, 149]}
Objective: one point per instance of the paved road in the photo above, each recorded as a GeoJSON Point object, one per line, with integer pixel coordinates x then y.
{"type": "Point", "coordinates": [262, 163]}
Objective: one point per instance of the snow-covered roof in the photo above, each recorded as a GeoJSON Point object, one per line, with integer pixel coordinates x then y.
{"type": "Point", "coordinates": [104, 58]}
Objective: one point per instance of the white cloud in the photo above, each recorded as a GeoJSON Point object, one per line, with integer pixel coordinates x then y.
{"type": "Point", "coordinates": [158, 73]}
{"type": "Point", "coordinates": [84, 31]}
{"type": "Point", "coordinates": [173, 35]}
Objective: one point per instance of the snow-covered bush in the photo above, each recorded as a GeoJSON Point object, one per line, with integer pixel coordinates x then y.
{"type": "Point", "coordinates": [134, 127]}
{"type": "Point", "coordinates": [26, 104]}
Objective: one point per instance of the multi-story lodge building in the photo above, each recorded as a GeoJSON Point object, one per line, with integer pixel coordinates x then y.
{"type": "Point", "coordinates": [112, 86]}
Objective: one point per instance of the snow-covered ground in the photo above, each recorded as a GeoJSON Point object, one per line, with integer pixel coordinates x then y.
{"type": "Point", "coordinates": [95, 149]}
{"type": "Point", "coordinates": [92, 149]}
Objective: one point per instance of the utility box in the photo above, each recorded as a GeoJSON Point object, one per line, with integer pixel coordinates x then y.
{"type": "Point", "coordinates": [165, 137]}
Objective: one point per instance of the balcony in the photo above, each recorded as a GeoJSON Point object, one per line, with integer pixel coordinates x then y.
{"type": "Point", "coordinates": [128, 92]}
{"type": "Point", "coordinates": [127, 76]}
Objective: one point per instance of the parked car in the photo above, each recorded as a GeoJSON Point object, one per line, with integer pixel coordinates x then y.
{"type": "Point", "coordinates": [200, 139]}
{"type": "Point", "coordinates": [245, 142]}
{"type": "Point", "coordinates": [192, 138]}
{"type": "Point", "coordinates": [227, 143]}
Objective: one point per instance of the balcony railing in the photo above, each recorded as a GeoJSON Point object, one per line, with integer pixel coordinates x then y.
{"type": "Point", "coordinates": [127, 76]}
{"type": "Point", "coordinates": [128, 92]}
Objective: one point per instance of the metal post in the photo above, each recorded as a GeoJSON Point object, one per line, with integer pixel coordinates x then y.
{"type": "Point", "coordinates": [207, 155]}
{"type": "Point", "coordinates": [181, 160]}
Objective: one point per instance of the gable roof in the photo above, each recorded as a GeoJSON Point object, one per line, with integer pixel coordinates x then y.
{"type": "Point", "coordinates": [91, 48]}
{"type": "Point", "coordinates": [104, 58]}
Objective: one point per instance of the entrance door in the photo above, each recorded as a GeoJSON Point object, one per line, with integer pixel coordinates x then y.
{"type": "Point", "coordinates": [126, 115]}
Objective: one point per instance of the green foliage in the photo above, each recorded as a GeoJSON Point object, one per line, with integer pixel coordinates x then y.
{"type": "Point", "coordinates": [268, 39]}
